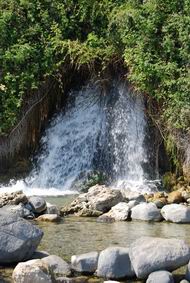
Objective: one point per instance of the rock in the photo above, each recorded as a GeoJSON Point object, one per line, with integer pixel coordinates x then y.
{"type": "Point", "coordinates": [57, 266]}
{"type": "Point", "coordinates": [38, 204]}
{"type": "Point", "coordinates": [13, 198]}
{"type": "Point", "coordinates": [128, 195]}
{"type": "Point", "coordinates": [103, 198]}
{"type": "Point", "coordinates": [18, 239]}
{"type": "Point", "coordinates": [65, 280]}
{"type": "Point", "coordinates": [146, 211]}
{"type": "Point", "coordinates": [85, 212]}
{"type": "Point", "coordinates": [51, 209]}
{"type": "Point", "coordinates": [177, 213]}
{"type": "Point", "coordinates": [39, 254]}
{"type": "Point", "coordinates": [85, 263]}
{"type": "Point", "coordinates": [49, 218]}
{"type": "Point", "coordinates": [32, 271]}
{"type": "Point", "coordinates": [185, 195]}
{"type": "Point", "coordinates": [111, 281]}
{"type": "Point", "coordinates": [133, 203]}
{"type": "Point", "coordinates": [105, 219]}
{"type": "Point", "coordinates": [175, 197]}
{"type": "Point", "coordinates": [184, 281]}
{"type": "Point", "coordinates": [160, 202]}
{"type": "Point", "coordinates": [98, 198]}
{"type": "Point", "coordinates": [160, 276]}
{"type": "Point", "coordinates": [149, 254]}
{"type": "Point", "coordinates": [18, 210]}
{"type": "Point", "coordinates": [114, 263]}
{"type": "Point", "coordinates": [119, 212]}
{"type": "Point", "coordinates": [187, 275]}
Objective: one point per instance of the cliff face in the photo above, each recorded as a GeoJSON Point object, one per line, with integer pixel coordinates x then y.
{"type": "Point", "coordinates": [23, 139]}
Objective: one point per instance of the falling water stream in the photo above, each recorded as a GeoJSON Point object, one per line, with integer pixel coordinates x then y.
{"type": "Point", "coordinates": [98, 130]}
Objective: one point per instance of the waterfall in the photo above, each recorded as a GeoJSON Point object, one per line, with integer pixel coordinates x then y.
{"type": "Point", "coordinates": [97, 130]}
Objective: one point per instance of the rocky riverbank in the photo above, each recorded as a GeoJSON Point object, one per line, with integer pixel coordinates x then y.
{"type": "Point", "coordinates": [121, 205]}
{"type": "Point", "coordinates": [147, 259]}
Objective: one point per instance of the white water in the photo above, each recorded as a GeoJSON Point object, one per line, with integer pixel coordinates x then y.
{"type": "Point", "coordinates": [93, 126]}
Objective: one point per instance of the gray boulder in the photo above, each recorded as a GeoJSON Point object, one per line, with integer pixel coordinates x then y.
{"type": "Point", "coordinates": [18, 239]}
{"type": "Point", "coordinates": [177, 213]}
{"type": "Point", "coordinates": [51, 209]}
{"type": "Point", "coordinates": [146, 211]}
{"type": "Point", "coordinates": [32, 271]}
{"type": "Point", "coordinates": [85, 263]}
{"type": "Point", "coordinates": [129, 195]}
{"type": "Point", "coordinates": [149, 254]}
{"type": "Point", "coordinates": [57, 266]}
{"type": "Point", "coordinates": [18, 210]}
{"type": "Point", "coordinates": [38, 204]}
{"type": "Point", "coordinates": [119, 212]}
{"type": "Point", "coordinates": [114, 263]}
{"type": "Point", "coordinates": [103, 198]}
{"type": "Point", "coordinates": [161, 276]}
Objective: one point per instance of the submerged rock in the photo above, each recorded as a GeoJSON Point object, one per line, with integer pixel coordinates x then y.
{"type": "Point", "coordinates": [114, 263]}
{"type": "Point", "coordinates": [149, 254]}
{"type": "Point", "coordinates": [85, 263]}
{"type": "Point", "coordinates": [38, 204]}
{"type": "Point", "coordinates": [161, 276]}
{"type": "Point", "coordinates": [18, 239]}
{"type": "Point", "coordinates": [177, 213]}
{"type": "Point", "coordinates": [49, 218]}
{"type": "Point", "coordinates": [146, 211]}
{"type": "Point", "coordinates": [119, 212]}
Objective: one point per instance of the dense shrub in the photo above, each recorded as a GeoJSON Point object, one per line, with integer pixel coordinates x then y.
{"type": "Point", "coordinates": [151, 36]}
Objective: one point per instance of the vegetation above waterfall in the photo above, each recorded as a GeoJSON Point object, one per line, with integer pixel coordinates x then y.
{"type": "Point", "coordinates": [151, 37]}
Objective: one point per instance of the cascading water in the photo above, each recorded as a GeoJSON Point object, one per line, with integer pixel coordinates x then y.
{"type": "Point", "coordinates": [97, 131]}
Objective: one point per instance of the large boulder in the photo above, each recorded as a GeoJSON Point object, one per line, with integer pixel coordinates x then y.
{"type": "Point", "coordinates": [49, 218]}
{"type": "Point", "coordinates": [85, 263]}
{"type": "Point", "coordinates": [103, 198]}
{"type": "Point", "coordinates": [119, 212]}
{"type": "Point", "coordinates": [130, 195]}
{"type": "Point", "coordinates": [18, 239]}
{"type": "Point", "coordinates": [32, 271]}
{"type": "Point", "coordinates": [177, 213]}
{"type": "Point", "coordinates": [13, 198]}
{"type": "Point", "coordinates": [146, 211]}
{"type": "Point", "coordinates": [38, 204]}
{"type": "Point", "coordinates": [18, 210]}
{"type": "Point", "coordinates": [161, 276]}
{"type": "Point", "coordinates": [149, 254]}
{"type": "Point", "coordinates": [57, 266]}
{"type": "Point", "coordinates": [98, 198]}
{"type": "Point", "coordinates": [114, 263]}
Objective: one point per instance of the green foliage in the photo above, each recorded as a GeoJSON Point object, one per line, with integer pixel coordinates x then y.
{"type": "Point", "coordinates": [152, 36]}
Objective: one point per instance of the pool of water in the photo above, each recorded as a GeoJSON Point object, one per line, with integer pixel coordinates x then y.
{"type": "Point", "coordinates": [75, 235]}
